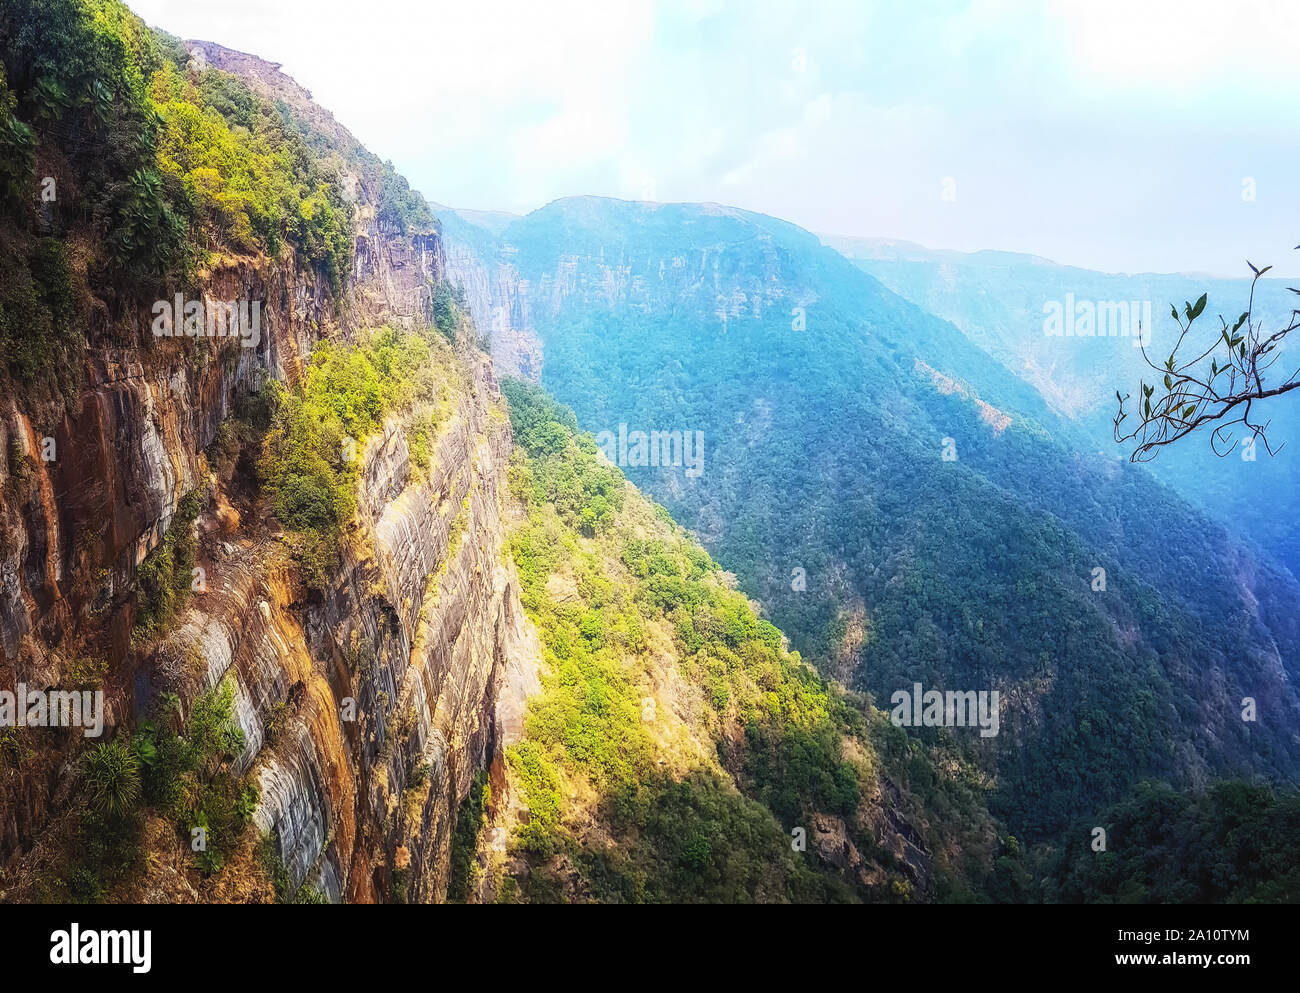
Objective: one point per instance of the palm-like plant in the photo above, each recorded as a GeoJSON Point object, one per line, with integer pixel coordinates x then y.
{"type": "Point", "coordinates": [113, 776]}
{"type": "Point", "coordinates": [50, 99]}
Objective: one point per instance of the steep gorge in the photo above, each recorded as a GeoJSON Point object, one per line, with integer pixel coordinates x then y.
{"type": "Point", "coordinates": [313, 643]}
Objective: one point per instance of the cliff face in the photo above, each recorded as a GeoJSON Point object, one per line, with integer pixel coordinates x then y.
{"type": "Point", "coordinates": [78, 526]}
{"type": "Point", "coordinates": [420, 631]}
{"type": "Point", "coordinates": [516, 282]}
{"type": "Point", "coordinates": [500, 301]}
{"type": "Point", "coordinates": [416, 656]}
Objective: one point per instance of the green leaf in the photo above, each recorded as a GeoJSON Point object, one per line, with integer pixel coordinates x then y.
{"type": "Point", "coordinates": [145, 750]}
{"type": "Point", "coordinates": [1199, 307]}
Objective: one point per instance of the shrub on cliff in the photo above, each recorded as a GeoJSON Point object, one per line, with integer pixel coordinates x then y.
{"type": "Point", "coordinates": [401, 208]}
{"type": "Point", "coordinates": [42, 310]}
{"type": "Point", "coordinates": [464, 842]}
{"type": "Point", "coordinates": [310, 480]}
{"type": "Point", "coordinates": [312, 452]}
{"type": "Point", "coordinates": [17, 148]}
{"type": "Point", "coordinates": [165, 577]}
{"type": "Point", "coordinates": [187, 774]}
{"type": "Point", "coordinates": [447, 307]}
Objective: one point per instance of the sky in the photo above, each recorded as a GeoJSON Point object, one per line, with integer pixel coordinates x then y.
{"type": "Point", "coordinates": [1119, 135]}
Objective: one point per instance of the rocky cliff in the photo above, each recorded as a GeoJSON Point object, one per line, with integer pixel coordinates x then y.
{"type": "Point", "coordinates": [366, 708]}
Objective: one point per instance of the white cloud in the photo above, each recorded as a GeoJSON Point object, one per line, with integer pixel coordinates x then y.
{"type": "Point", "coordinates": [1180, 44]}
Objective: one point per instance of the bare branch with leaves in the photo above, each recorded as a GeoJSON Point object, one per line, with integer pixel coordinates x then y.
{"type": "Point", "coordinates": [1220, 386]}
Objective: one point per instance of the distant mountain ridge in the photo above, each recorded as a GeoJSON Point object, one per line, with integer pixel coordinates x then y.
{"type": "Point", "coordinates": [861, 249]}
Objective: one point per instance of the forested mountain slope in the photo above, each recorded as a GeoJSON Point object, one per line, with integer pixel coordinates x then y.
{"type": "Point", "coordinates": [827, 405]}
{"type": "Point", "coordinates": [678, 751]}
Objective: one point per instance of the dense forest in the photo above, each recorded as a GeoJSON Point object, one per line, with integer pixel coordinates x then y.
{"type": "Point", "coordinates": [1232, 843]}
